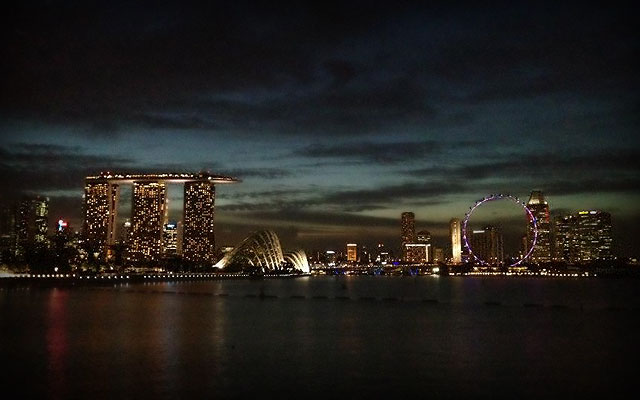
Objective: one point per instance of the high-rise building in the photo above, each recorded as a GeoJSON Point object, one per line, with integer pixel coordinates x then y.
{"type": "Point", "coordinates": [524, 245]}
{"type": "Point", "coordinates": [170, 239]}
{"type": "Point", "coordinates": [540, 210]}
{"type": "Point", "coordinates": [330, 258]}
{"type": "Point", "coordinates": [408, 234]}
{"type": "Point", "coordinates": [364, 255]}
{"type": "Point", "coordinates": [592, 236]}
{"type": "Point", "coordinates": [198, 237]}
{"type": "Point", "coordinates": [32, 224]}
{"type": "Point", "coordinates": [7, 233]}
{"type": "Point", "coordinates": [147, 218]}
{"type": "Point", "coordinates": [352, 252]}
{"type": "Point", "coordinates": [438, 255]}
{"type": "Point", "coordinates": [382, 255]}
{"type": "Point", "coordinates": [100, 212]}
{"type": "Point", "coordinates": [487, 245]}
{"type": "Point", "coordinates": [150, 214]}
{"type": "Point", "coordinates": [565, 246]}
{"type": "Point", "coordinates": [456, 244]}
{"type": "Point", "coordinates": [7, 220]}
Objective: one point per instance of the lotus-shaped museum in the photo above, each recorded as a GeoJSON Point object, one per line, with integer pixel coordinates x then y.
{"type": "Point", "coordinates": [262, 251]}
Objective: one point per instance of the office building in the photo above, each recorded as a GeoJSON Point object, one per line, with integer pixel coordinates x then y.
{"type": "Point", "coordinates": [487, 245]}
{"type": "Point", "coordinates": [7, 233]}
{"type": "Point", "coordinates": [382, 255]}
{"type": "Point", "coordinates": [31, 224]}
{"type": "Point", "coordinates": [408, 234]}
{"type": "Point", "coordinates": [352, 252]}
{"type": "Point", "coordinates": [540, 210]}
{"type": "Point", "coordinates": [592, 236]}
{"type": "Point", "coordinates": [564, 244]}
{"type": "Point", "coordinates": [330, 258]}
{"type": "Point", "coordinates": [438, 255]}
{"type": "Point", "coordinates": [456, 241]}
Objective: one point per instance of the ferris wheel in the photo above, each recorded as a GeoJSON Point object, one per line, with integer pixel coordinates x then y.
{"type": "Point", "coordinates": [495, 197]}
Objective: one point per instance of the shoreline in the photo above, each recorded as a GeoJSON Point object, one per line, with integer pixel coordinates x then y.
{"type": "Point", "coordinates": [74, 280]}
{"type": "Point", "coordinates": [71, 280]}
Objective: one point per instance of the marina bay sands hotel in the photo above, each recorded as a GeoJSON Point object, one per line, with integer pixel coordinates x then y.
{"type": "Point", "coordinates": [148, 214]}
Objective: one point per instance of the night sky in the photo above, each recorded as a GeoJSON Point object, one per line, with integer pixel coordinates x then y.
{"type": "Point", "coordinates": [337, 117]}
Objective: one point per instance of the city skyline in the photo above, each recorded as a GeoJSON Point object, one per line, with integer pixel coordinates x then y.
{"type": "Point", "coordinates": [336, 121]}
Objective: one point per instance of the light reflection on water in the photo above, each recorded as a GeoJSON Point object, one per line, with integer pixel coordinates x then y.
{"type": "Point", "coordinates": [335, 336]}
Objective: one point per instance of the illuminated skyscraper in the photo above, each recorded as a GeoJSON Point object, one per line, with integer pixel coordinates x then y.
{"type": "Point", "coordinates": [565, 245]}
{"type": "Point", "coordinates": [382, 255]}
{"type": "Point", "coordinates": [592, 236]}
{"type": "Point", "coordinates": [540, 210]}
{"type": "Point", "coordinates": [147, 218]}
{"type": "Point", "coordinates": [330, 258]}
{"type": "Point", "coordinates": [31, 224]}
{"type": "Point", "coordinates": [150, 213]}
{"type": "Point", "coordinates": [456, 244]}
{"type": "Point", "coordinates": [100, 212]}
{"type": "Point", "coordinates": [408, 234]}
{"type": "Point", "coordinates": [438, 255]}
{"type": "Point", "coordinates": [364, 255]}
{"type": "Point", "coordinates": [7, 233]}
{"type": "Point", "coordinates": [487, 244]}
{"type": "Point", "coordinates": [198, 237]}
{"type": "Point", "coordinates": [352, 252]}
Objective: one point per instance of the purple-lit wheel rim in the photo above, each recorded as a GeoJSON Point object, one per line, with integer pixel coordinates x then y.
{"type": "Point", "coordinates": [500, 197]}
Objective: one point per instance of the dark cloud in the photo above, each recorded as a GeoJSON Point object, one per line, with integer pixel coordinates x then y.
{"type": "Point", "coordinates": [262, 194]}
{"type": "Point", "coordinates": [477, 98]}
{"type": "Point", "coordinates": [383, 197]}
{"type": "Point", "coordinates": [108, 68]}
{"type": "Point", "coordinates": [559, 173]}
{"type": "Point", "coordinates": [264, 173]}
{"type": "Point", "coordinates": [386, 153]}
{"type": "Point", "coordinates": [380, 153]}
{"type": "Point", "coordinates": [35, 167]}
{"type": "Point", "coordinates": [396, 195]}
{"type": "Point", "coordinates": [315, 217]}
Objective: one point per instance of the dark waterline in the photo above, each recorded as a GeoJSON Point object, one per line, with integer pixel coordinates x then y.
{"type": "Point", "coordinates": [323, 336]}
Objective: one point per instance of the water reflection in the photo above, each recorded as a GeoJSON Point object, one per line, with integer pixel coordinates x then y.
{"type": "Point", "coordinates": [57, 342]}
{"type": "Point", "coordinates": [336, 336]}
